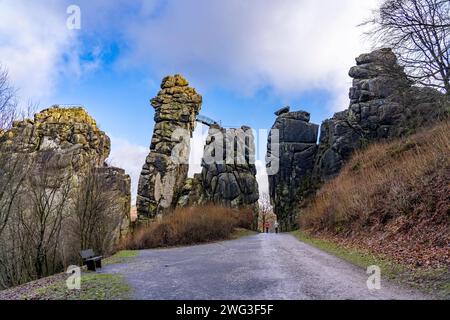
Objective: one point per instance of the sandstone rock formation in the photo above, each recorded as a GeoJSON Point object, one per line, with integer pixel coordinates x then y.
{"type": "Point", "coordinates": [293, 143]}
{"type": "Point", "coordinates": [70, 131]}
{"type": "Point", "coordinates": [383, 105]}
{"type": "Point", "coordinates": [166, 167]}
{"type": "Point", "coordinates": [69, 142]}
{"type": "Point", "coordinates": [228, 175]}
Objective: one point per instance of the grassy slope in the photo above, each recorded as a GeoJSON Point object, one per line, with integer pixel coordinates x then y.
{"type": "Point", "coordinates": [431, 281]}
{"type": "Point", "coordinates": [392, 200]}
{"type": "Point", "coordinates": [94, 286]}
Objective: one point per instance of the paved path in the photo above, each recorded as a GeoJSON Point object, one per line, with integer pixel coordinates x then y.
{"type": "Point", "coordinates": [258, 267]}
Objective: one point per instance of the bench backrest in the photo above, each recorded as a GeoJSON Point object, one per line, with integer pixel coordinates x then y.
{"type": "Point", "coordinates": [86, 254]}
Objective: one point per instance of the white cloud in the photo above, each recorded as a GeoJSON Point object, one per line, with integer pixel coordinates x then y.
{"type": "Point", "coordinates": [35, 45]}
{"type": "Point", "coordinates": [131, 158]}
{"type": "Point", "coordinates": [292, 45]}
{"type": "Point", "coordinates": [197, 148]}
{"type": "Point", "coordinates": [261, 177]}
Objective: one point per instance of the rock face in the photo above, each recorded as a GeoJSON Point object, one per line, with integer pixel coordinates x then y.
{"type": "Point", "coordinates": [228, 175]}
{"type": "Point", "coordinates": [69, 141]}
{"type": "Point", "coordinates": [383, 105]}
{"type": "Point", "coordinates": [291, 153]}
{"type": "Point", "coordinates": [166, 167]}
{"type": "Point", "coordinates": [66, 130]}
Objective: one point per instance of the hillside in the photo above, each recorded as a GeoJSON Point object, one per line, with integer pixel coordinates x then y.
{"type": "Point", "coordinates": [392, 199]}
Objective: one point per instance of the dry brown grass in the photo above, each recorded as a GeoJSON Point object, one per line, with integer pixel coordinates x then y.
{"type": "Point", "coordinates": [392, 195]}
{"type": "Point", "coordinates": [189, 226]}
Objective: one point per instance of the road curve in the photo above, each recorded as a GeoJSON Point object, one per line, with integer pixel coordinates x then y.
{"type": "Point", "coordinates": [260, 267]}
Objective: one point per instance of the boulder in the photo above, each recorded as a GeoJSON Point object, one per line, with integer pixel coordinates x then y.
{"type": "Point", "coordinates": [282, 111]}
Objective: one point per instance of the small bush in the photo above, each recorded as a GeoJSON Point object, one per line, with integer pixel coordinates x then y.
{"type": "Point", "coordinates": [188, 226]}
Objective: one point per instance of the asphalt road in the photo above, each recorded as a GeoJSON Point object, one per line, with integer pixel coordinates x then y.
{"type": "Point", "coordinates": [258, 267]}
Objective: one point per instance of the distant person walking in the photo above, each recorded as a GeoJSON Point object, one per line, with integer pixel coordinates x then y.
{"type": "Point", "coordinates": [276, 225]}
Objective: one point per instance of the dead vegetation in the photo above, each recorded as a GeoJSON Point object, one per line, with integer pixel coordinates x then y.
{"type": "Point", "coordinates": [187, 226]}
{"type": "Point", "coordinates": [393, 198]}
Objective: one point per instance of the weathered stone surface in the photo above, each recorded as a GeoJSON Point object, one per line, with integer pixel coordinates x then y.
{"type": "Point", "coordinates": [282, 110]}
{"type": "Point", "coordinates": [69, 141]}
{"type": "Point", "coordinates": [67, 130]}
{"type": "Point", "coordinates": [383, 105]}
{"type": "Point", "coordinates": [228, 178]}
{"type": "Point", "coordinates": [166, 167]}
{"type": "Point", "coordinates": [296, 150]}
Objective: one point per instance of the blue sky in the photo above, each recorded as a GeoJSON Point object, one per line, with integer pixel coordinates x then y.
{"type": "Point", "coordinates": [246, 58]}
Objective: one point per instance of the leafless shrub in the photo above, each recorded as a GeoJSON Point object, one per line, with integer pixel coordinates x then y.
{"type": "Point", "coordinates": [192, 225]}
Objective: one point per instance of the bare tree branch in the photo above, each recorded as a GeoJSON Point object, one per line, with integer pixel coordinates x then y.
{"type": "Point", "coordinates": [419, 33]}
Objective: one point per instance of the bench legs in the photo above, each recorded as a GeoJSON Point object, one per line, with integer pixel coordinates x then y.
{"type": "Point", "coordinates": [91, 265]}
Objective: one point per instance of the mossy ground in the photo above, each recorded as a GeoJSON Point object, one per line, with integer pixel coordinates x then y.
{"type": "Point", "coordinates": [431, 281]}
{"type": "Point", "coordinates": [121, 257]}
{"type": "Point", "coordinates": [94, 286]}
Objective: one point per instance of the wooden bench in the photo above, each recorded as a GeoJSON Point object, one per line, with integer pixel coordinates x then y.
{"type": "Point", "coordinates": [91, 260]}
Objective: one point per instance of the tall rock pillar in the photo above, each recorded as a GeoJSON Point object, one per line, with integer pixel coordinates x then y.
{"type": "Point", "coordinates": [293, 143]}
{"type": "Point", "coordinates": [166, 167]}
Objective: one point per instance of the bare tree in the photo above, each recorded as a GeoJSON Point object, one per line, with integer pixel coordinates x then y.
{"type": "Point", "coordinates": [8, 100]}
{"type": "Point", "coordinates": [47, 204]}
{"type": "Point", "coordinates": [97, 212]}
{"type": "Point", "coordinates": [265, 211]}
{"type": "Point", "coordinates": [13, 169]}
{"type": "Point", "coordinates": [419, 33]}
{"type": "Point", "coordinates": [35, 203]}
{"type": "Point", "coordinates": [10, 110]}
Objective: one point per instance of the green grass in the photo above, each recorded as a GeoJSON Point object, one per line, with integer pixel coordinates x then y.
{"type": "Point", "coordinates": [94, 286]}
{"type": "Point", "coordinates": [360, 258]}
{"type": "Point", "coordinates": [432, 281]}
{"type": "Point", "coordinates": [121, 257]}
{"type": "Point", "coordinates": [240, 233]}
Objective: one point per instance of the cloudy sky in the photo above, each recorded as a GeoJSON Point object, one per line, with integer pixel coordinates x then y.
{"type": "Point", "coordinates": [246, 57]}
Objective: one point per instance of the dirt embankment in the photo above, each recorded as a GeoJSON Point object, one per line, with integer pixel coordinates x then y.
{"type": "Point", "coordinates": [392, 199]}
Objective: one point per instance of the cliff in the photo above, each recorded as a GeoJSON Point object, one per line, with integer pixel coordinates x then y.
{"type": "Point", "coordinates": [383, 105]}
{"type": "Point", "coordinates": [69, 143]}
